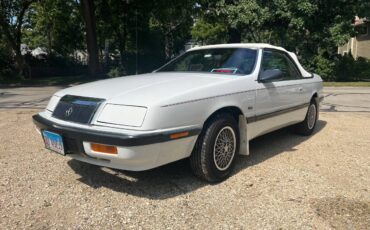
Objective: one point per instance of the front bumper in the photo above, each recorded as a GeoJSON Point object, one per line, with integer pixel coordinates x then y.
{"type": "Point", "coordinates": [135, 152]}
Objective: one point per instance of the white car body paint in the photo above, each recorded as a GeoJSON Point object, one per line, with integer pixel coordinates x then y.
{"type": "Point", "coordinates": [165, 102]}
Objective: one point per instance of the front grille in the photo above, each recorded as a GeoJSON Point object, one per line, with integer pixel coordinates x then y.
{"type": "Point", "coordinates": [76, 109]}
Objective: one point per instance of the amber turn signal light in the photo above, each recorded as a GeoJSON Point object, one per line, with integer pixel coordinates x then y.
{"type": "Point", "coordinates": [179, 135]}
{"type": "Point", "coordinates": [104, 148]}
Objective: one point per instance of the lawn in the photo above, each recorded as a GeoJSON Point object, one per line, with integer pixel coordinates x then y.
{"type": "Point", "coordinates": [348, 84]}
{"type": "Point", "coordinates": [47, 81]}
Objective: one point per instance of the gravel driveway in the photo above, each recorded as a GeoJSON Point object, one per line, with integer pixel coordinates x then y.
{"type": "Point", "coordinates": [288, 182]}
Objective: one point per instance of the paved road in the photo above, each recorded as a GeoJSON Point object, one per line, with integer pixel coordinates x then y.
{"type": "Point", "coordinates": [337, 99]}
{"type": "Point", "coordinates": [346, 99]}
{"type": "Point", "coordinates": [26, 97]}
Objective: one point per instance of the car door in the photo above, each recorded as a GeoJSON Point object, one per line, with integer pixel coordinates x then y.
{"type": "Point", "coordinates": [279, 94]}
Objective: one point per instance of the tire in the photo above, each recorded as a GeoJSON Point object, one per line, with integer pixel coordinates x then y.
{"type": "Point", "coordinates": [217, 147]}
{"type": "Point", "coordinates": [306, 127]}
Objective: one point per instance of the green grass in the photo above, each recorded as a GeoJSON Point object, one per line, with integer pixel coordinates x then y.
{"type": "Point", "coordinates": [47, 81]}
{"type": "Point", "coordinates": [348, 84]}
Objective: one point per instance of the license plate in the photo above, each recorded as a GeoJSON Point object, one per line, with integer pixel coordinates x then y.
{"type": "Point", "coordinates": [54, 142]}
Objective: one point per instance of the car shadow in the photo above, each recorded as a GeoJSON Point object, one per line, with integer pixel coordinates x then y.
{"type": "Point", "coordinates": [176, 178]}
{"type": "Point", "coordinates": [272, 144]}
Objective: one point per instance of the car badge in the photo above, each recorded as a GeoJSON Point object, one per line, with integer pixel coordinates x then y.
{"type": "Point", "coordinates": [69, 112]}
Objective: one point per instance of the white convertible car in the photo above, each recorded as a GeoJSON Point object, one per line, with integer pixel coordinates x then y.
{"type": "Point", "coordinates": [205, 105]}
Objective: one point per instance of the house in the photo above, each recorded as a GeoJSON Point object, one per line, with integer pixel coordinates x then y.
{"type": "Point", "coordinates": [358, 46]}
{"type": "Point", "coordinates": [190, 44]}
{"type": "Point", "coordinates": [39, 52]}
{"type": "Point", "coordinates": [81, 56]}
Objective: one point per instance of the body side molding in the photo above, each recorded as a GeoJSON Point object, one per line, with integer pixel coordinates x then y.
{"type": "Point", "coordinates": [276, 113]}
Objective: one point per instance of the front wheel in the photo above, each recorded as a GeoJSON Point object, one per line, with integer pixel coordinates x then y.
{"type": "Point", "coordinates": [214, 154]}
{"type": "Point", "coordinates": [307, 126]}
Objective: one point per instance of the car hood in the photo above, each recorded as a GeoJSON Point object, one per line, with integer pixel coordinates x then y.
{"type": "Point", "coordinates": [147, 89]}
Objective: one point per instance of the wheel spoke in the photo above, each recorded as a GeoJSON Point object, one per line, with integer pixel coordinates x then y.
{"type": "Point", "coordinates": [224, 149]}
{"type": "Point", "coordinates": [311, 116]}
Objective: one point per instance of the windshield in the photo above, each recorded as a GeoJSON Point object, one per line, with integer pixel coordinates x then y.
{"type": "Point", "coordinates": [221, 60]}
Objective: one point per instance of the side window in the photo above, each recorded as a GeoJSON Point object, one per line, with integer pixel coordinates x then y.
{"type": "Point", "coordinates": [278, 60]}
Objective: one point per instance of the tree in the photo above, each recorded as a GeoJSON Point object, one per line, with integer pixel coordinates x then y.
{"type": "Point", "coordinates": [209, 33]}
{"type": "Point", "coordinates": [12, 15]}
{"type": "Point", "coordinates": [236, 21]}
{"type": "Point", "coordinates": [311, 28]}
{"type": "Point", "coordinates": [56, 25]}
{"type": "Point", "coordinates": [143, 30]}
{"type": "Point", "coordinates": [114, 17]}
{"type": "Point", "coordinates": [174, 20]}
{"type": "Point", "coordinates": [88, 13]}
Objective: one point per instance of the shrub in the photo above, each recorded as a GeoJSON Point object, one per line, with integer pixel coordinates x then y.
{"type": "Point", "coordinates": [7, 70]}
{"type": "Point", "coordinates": [54, 65]}
{"type": "Point", "coordinates": [116, 72]}
{"type": "Point", "coordinates": [325, 68]}
{"type": "Point", "coordinates": [349, 69]}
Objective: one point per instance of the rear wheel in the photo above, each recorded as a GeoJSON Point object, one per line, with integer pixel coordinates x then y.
{"type": "Point", "coordinates": [213, 157]}
{"type": "Point", "coordinates": [307, 126]}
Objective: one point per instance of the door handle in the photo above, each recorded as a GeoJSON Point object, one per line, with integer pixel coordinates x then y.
{"type": "Point", "coordinates": [300, 89]}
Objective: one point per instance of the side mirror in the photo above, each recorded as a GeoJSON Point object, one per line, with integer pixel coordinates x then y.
{"type": "Point", "coordinates": [270, 74]}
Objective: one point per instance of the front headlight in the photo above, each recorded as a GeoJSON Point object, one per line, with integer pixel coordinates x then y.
{"type": "Point", "coordinates": [52, 103]}
{"type": "Point", "coordinates": [123, 115]}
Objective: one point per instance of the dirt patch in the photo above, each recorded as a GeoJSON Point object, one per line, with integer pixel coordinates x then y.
{"type": "Point", "coordinates": [343, 213]}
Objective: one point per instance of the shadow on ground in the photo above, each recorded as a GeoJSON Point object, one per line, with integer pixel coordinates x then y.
{"type": "Point", "coordinates": [176, 178]}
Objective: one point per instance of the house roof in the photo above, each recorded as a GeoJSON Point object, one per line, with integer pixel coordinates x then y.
{"type": "Point", "coordinates": [360, 21]}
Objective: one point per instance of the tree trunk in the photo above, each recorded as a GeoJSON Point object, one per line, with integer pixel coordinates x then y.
{"type": "Point", "coordinates": [13, 35]}
{"type": "Point", "coordinates": [20, 64]}
{"type": "Point", "coordinates": [122, 38]}
{"type": "Point", "coordinates": [122, 55]}
{"type": "Point", "coordinates": [49, 40]}
{"type": "Point", "coordinates": [168, 45]}
{"type": "Point", "coordinates": [88, 13]}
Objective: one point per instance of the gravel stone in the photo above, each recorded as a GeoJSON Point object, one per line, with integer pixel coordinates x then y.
{"type": "Point", "coordinates": [288, 182]}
